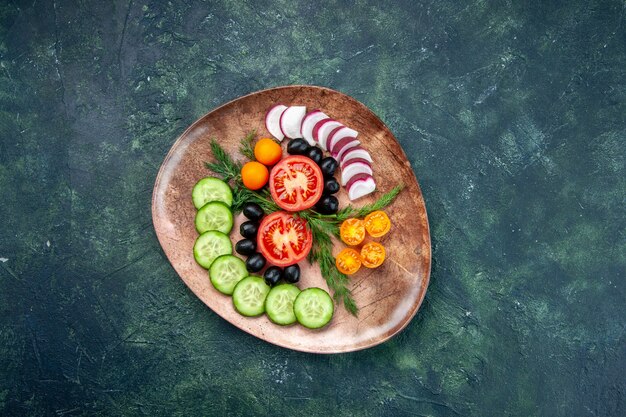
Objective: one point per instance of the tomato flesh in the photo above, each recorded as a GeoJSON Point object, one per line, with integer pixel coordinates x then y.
{"type": "Point", "coordinates": [296, 183]}
{"type": "Point", "coordinates": [372, 254]}
{"type": "Point", "coordinates": [284, 239]}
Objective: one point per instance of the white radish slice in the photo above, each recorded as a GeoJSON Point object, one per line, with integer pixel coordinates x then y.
{"type": "Point", "coordinates": [272, 121]}
{"type": "Point", "coordinates": [309, 122]}
{"type": "Point", "coordinates": [291, 121]}
{"type": "Point", "coordinates": [353, 169]}
{"type": "Point", "coordinates": [343, 146]}
{"type": "Point", "coordinates": [338, 134]}
{"type": "Point", "coordinates": [316, 128]}
{"type": "Point", "coordinates": [360, 186]}
{"type": "Point", "coordinates": [362, 160]}
{"type": "Point", "coordinates": [324, 130]}
{"type": "Point", "coordinates": [356, 153]}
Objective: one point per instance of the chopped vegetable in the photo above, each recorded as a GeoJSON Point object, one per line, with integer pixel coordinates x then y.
{"type": "Point", "coordinates": [313, 308]}
{"type": "Point", "coordinates": [352, 232]}
{"type": "Point", "coordinates": [372, 254]}
{"type": "Point", "coordinates": [348, 261]}
{"type": "Point", "coordinates": [377, 223]}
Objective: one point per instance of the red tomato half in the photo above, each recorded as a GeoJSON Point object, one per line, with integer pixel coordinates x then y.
{"type": "Point", "coordinates": [284, 239]}
{"type": "Point", "coordinates": [296, 183]}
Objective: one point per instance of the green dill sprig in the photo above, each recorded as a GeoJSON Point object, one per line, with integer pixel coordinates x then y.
{"type": "Point", "coordinates": [224, 166]}
{"type": "Point", "coordinates": [246, 148]}
{"type": "Point", "coordinates": [321, 252]}
{"type": "Point", "coordinates": [243, 195]}
{"type": "Point", "coordinates": [379, 204]}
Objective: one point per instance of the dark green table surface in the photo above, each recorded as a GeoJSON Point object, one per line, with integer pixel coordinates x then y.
{"type": "Point", "coordinates": [512, 113]}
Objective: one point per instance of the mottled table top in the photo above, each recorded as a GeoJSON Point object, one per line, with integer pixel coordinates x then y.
{"type": "Point", "coordinates": [513, 116]}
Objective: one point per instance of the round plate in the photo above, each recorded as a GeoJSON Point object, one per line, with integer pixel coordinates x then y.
{"type": "Point", "coordinates": [388, 297]}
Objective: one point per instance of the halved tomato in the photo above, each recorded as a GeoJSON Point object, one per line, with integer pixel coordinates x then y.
{"type": "Point", "coordinates": [284, 239]}
{"type": "Point", "coordinates": [296, 183]}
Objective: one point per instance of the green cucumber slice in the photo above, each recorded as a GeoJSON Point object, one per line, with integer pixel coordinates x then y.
{"type": "Point", "coordinates": [279, 304]}
{"type": "Point", "coordinates": [211, 189]}
{"type": "Point", "coordinates": [225, 272]}
{"type": "Point", "coordinates": [249, 296]}
{"type": "Point", "coordinates": [209, 246]}
{"type": "Point", "coordinates": [214, 216]}
{"type": "Point", "coordinates": [313, 308]}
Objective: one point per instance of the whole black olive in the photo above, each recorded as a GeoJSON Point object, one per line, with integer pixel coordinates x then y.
{"type": "Point", "coordinates": [292, 273]}
{"type": "Point", "coordinates": [249, 229]}
{"type": "Point", "coordinates": [245, 247]}
{"type": "Point", "coordinates": [272, 275]}
{"type": "Point", "coordinates": [328, 166]}
{"type": "Point", "coordinates": [331, 186]}
{"type": "Point", "coordinates": [253, 211]}
{"type": "Point", "coordinates": [315, 154]}
{"type": "Point", "coordinates": [297, 147]}
{"type": "Point", "coordinates": [328, 204]}
{"type": "Point", "coordinates": [255, 262]}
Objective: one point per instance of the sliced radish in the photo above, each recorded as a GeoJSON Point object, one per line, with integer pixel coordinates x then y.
{"type": "Point", "coordinates": [316, 128]}
{"type": "Point", "coordinates": [338, 134]}
{"type": "Point", "coordinates": [354, 153]}
{"type": "Point", "coordinates": [309, 122]}
{"type": "Point", "coordinates": [272, 121]}
{"type": "Point", "coordinates": [324, 131]}
{"type": "Point", "coordinates": [360, 185]}
{"type": "Point", "coordinates": [343, 146]}
{"type": "Point", "coordinates": [353, 169]}
{"type": "Point", "coordinates": [330, 135]}
{"type": "Point", "coordinates": [349, 161]}
{"type": "Point", "coordinates": [291, 121]}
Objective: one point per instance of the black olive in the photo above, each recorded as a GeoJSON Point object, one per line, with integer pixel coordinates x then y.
{"type": "Point", "coordinates": [253, 211]}
{"type": "Point", "coordinates": [328, 166]}
{"type": "Point", "coordinates": [297, 147]}
{"type": "Point", "coordinates": [331, 186]}
{"type": "Point", "coordinates": [249, 229]}
{"type": "Point", "coordinates": [255, 262]}
{"type": "Point", "coordinates": [245, 247]}
{"type": "Point", "coordinates": [315, 154]}
{"type": "Point", "coordinates": [272, 275]}
{"type": "Point", "coordinates": [328, 204]}
{"type": "Point", "coordinates": [292, 273]}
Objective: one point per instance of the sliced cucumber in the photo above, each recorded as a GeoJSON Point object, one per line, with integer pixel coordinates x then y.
{"type": "Point", "coordinates": [214, 216]}
{"type": "Point", "coordinates": [249, 296]}
{"type": "Point", "coordinates": [313, 308]}
{"type": "Point", "coordinates": [279, 304]}
{"type": "Point", "coordinates": [226, 271]}
{"type": "Point", "coordinates": [209, 246]}
{"type": "Point", "coordinates": [211, 189]}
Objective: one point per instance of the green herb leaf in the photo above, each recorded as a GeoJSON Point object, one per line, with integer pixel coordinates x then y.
{"type": "Point", "coordinates": [379, 204]}
{"type": "Point", "coordinates": [224, 166]}
{"type": "Point", "coordinates": [246, 148]}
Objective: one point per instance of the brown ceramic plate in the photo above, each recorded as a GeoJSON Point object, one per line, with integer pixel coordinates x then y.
{"type": "Point", "coordinates": [388, 297]}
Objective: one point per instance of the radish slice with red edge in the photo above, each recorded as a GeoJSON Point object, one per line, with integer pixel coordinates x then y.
{"type": "Point", "coordinates": [309, 122]}
{"type": "Point", "coordinates": [351, 160]}
{"type": "Point", "coordinates": [343, 146]}
{"type": "Point", "coordinates": [291, 121]}
{"type": "Point", "coordinates": [324, 130]}
{"type": "Point", "coordinates": [356, 152]}
{"type": "Point", "coordinates": [338, 134]}
{"type": "Point", "coordinates": [316, 129]}
{"type": "Point", "coordinates": [360, 185]}
{"type": "Point", "coordinates": [352, 169]}
{"type": "Point", "coordinates": [272, 121]}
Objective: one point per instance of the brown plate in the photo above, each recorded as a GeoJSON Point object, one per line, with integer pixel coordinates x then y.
{"type": "Point", "coordinates": [388, 297]}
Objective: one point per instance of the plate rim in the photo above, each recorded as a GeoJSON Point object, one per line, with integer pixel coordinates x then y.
{"type": "Point", "coordinates": [421, 295]}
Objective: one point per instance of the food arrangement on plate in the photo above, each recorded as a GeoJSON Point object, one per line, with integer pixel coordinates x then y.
{"type": "Point", "coordinates": [293, 216]}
